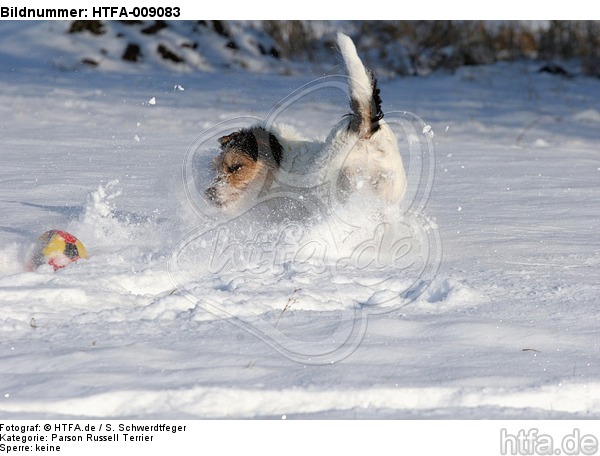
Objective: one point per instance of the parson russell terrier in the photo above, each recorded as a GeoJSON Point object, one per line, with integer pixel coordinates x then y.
{"type": "Point", "coordinates": [360, 153]}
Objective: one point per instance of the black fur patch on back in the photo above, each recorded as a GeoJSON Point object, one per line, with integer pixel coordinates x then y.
{"type": "Point", "coordinates": [255, 142]}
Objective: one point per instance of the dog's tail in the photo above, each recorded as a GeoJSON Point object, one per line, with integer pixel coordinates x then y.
{"type": "Point", "coordinates": [365, 102]}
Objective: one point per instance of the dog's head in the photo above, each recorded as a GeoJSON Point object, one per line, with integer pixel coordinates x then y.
{"type": "Point", "coordinates": [246, 158]}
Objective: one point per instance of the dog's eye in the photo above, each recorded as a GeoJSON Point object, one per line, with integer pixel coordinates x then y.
{"type": "Point", "coordinates": [234, 168]}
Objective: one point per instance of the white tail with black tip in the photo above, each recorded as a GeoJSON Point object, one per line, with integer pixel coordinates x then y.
{"type": "Point", "coordinates": [364, 94]}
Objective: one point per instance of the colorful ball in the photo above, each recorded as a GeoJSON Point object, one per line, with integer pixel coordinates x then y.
{"type": "Point", "coordinates": [58, 249]}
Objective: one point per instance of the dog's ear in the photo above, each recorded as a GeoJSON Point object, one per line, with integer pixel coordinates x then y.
{"type": "Point", "coordinates": [276, 148]}
{"type": "Point", "coordinates": [225, 140]}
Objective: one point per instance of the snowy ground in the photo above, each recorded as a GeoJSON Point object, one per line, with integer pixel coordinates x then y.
{"type": "Point", "coordinates": [508, 328]}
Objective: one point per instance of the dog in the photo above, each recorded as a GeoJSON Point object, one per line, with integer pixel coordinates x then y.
{"type": "Point", "coordinates": [360, 154]}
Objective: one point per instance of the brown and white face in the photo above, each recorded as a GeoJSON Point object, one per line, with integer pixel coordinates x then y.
{"type": "Point", "coordinates": [235, 172]}
{"type": "Point", "coordinates": [245, 159]}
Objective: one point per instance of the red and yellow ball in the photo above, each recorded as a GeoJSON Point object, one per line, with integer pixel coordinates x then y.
{"type": "Point", "coordinates": [58, 249]}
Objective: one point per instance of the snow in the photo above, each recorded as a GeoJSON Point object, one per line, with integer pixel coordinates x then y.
{"type": "Point", "coordinates": [499, 320]}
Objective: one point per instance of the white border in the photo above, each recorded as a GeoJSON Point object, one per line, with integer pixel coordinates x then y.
{"type": "Point", "coordinates": [317, 9]}
{"type": "Point", "coordinates": [289, 437]}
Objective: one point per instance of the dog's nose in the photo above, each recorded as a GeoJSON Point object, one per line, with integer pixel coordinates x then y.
{"type": "Point", "coordinates": [211, 194]}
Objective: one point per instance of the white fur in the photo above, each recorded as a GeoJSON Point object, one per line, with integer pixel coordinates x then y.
{"type": "Point", "coordinates": [345, 161]}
